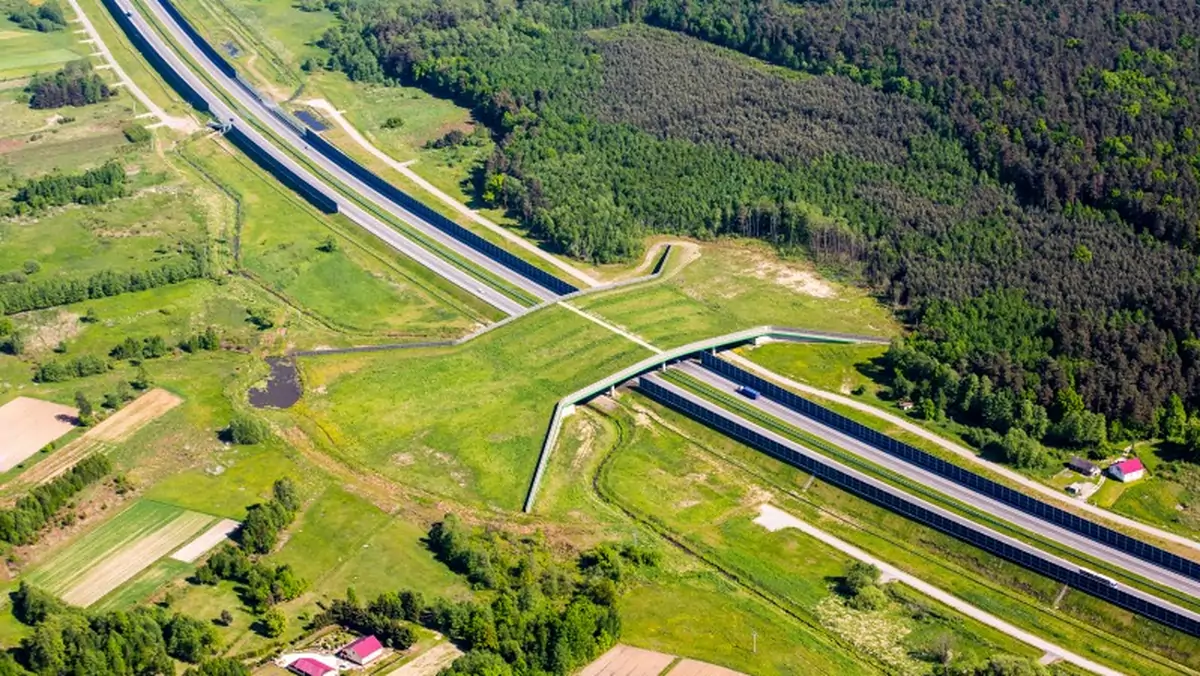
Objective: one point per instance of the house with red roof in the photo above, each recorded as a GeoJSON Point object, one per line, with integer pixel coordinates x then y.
{"type": "Point", "coordinates": [1127, 470]}
{"type": "Point", "coordinates": [363, 650]}
{"type": "Point", "coordinates": [307, 666]}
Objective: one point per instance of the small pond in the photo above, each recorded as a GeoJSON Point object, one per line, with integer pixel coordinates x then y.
{"type": "Point", "coordinates": [283, 387]}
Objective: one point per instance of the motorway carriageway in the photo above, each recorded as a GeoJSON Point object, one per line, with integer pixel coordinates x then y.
{"type": "Point", "coordinates": [265, 116]}
{"type": "Point", "coordinates": [908, 497]}
{"type": "Point", "coordinates": [217, 107]}
{"type": "Point", "coordinates": [1000, 510]}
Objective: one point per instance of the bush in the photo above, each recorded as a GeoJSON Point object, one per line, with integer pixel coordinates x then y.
{"type": "Point", "coordinates": [136, 133]}
{"type": "Point", "coordinates": [274, 623]}
{"type": "Point", "coordinates": [247, 431]}
{"type": "Point", "coordinates": [869, 598]}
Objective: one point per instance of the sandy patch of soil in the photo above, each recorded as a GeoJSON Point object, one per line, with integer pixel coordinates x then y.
{"type": "Point", "coordinates": [28, 425]}
{"type": "Point", "coordinates": [623, 660]}
{"type": "Point", "coordinates": [791, 277]}
{"type": "Point", "coordinates": [430, 662]}
{"type": "Point", "coordinates": [113, 571]}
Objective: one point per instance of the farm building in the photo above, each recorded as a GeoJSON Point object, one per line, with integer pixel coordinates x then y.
{"type": "Point", "coordinates": [1083, 466]}
{"type": "Point", "coordinates": [307, 666]}
{"type": "Point", "coordinates": [1127, 470]}
{"type": "Point", "coordinates": [362, 650]}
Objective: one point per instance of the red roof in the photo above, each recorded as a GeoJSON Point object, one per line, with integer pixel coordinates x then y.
{"type": "Point", "coordinates": [1130, 466]}
{"type": "Point", "coordinates": [307, 666]}
{"type": "Point", "coordinates": [364, 647]}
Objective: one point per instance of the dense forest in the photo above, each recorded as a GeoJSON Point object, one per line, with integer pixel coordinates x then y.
{"type": "Point", "coordinates": [1029, 209]}
{"type": "Point", "coordinates": [76, 84]}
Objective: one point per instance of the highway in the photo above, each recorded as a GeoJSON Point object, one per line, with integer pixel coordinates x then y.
{"type": "Point", "coordinates": [1026, 549]}
{"type": "Point", "coordinates": [951, 489]}
{"type": "Point", "coordinates": [368, 222]}
{"type": "Point", "coordinates": [266, 117]}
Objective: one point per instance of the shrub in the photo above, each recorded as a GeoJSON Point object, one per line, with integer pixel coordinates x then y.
{"type": "Point", "coordinates": [247, 431]}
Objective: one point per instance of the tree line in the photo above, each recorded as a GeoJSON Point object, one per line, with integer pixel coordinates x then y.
{"type": "Point", "coordinates": [52, 292]}
{"type": "Point", "coordinates": [93, 186]}
{"type": "Point", "coordinates": [22, 523]}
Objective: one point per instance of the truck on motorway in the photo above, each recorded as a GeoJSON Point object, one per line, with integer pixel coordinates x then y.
{"type": "Point", "coordinates": [1098, 577]}
{"type": "Point", "coordinates": [748, 392]}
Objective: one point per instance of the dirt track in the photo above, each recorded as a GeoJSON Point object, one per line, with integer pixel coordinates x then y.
{"type": "Point", "coordinates": [28, 425]}
{"type": "Point", "coordinates": [111, 572]}
{"type": "Point", "coordinates": [118, 427]}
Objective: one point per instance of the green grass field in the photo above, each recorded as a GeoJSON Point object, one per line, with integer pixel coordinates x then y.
{"type": "Point", "coordinates": [466, 422]}
{"type": "Point", "coordinates": [24, 52]}
{"type": "Point", "coordinates": [736, 286]}
{"type": "Point", "coordinates": [350, 287]}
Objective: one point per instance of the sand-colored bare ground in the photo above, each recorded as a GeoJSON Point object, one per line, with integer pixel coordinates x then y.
{"type": "Point", "coordinates": [118, 427]}
{"type": "Point", "coordinates": [26, 425]}
{"type": "Point", "coordinates": [112, 571]}
{"type": "Point", "coordinates": [430, 662]}
{"type": "Point", "coordinates": [209, 539]}
{"type": "Point", "coordinates": [623, 660]}
{"type": "Point", "coordinates": [121, 425]}
{"type": "Point", "coordinates": [694, 668]}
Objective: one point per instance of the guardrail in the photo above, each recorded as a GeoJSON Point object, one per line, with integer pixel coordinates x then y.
{"type": "Point", "coordinates": [957, 474]}
{"type": "Point", "coordinates": [437, 220]}
{"type": "Point", "coordinates": [903, 504]}
{"type": "Point", "coordinates": [147, 50]}
{"type": "Point", "coordinates": [567, 403]}
{"type": "Point", "coordinates": [213, 55]}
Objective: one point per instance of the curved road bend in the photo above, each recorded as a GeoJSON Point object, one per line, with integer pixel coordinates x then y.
{"type": "Point", "coordinates": [264, 116]}
{"type": "Point", "coordinates": [1029, 549]}
{"type": "Point", "coordinates": [951, 489]}
{"type": "Point", "coordinates": [368, 222]}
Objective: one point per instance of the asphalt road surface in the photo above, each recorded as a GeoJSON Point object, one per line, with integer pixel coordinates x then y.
{"type": "Point", "coordinates": [964, 495]}
{"type": "Point", "coordinates": [389, 235]}
{"type": "Point", "coordinates": [265, 117]}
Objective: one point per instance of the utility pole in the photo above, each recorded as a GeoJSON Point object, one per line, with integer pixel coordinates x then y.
{"type": "Point", "coordinates": [754, 638]}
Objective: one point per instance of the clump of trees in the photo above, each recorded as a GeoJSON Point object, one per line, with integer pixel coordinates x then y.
{"type": "Point", "coordinates": [44, 18]}
{"type": "Point", "coordinates": [67, 640]}
{"type": "Point", "coordinates": [21, 524]}
{"type": "Point", "coordinates": [266, 520]}
{"type": "Point", "coordinates": [150, 347]}
{"type": "Point", "coordinates": [76, 84]}
{"type": "Point", "coordinates": [75, 367]}
{"type": "Point", "coordinates": [246, 430]}
{"type": "Point", "coordinates": [861, 587]}
{"type": "Point", "coordinates": [207, 340]}
{"type": "Point", "coordinates": [94, 186]}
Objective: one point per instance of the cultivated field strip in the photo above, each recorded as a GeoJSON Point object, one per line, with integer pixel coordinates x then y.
{"type": "Point", "coordinates": [214, 536]}
{"type": "Point", "coordinates": [118, 427]}
{"type": "Point", "coordinates": [118, 550]}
